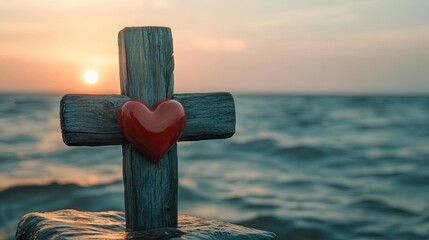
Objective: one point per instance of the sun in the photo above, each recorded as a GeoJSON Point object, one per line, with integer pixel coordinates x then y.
{"type": "Point", "coordinates": [90, 76]}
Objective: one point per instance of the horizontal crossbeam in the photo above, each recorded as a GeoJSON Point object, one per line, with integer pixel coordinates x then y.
{"type": "Point", "coordinates": [90, 120]}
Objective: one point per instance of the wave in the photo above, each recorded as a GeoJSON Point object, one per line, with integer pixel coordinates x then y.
{"type": "Point", "coordinates": [346, 228]}
{"type": "Point", "coordinates": [273, 147]}
{"type": "Point", "coordinates": [292, 229]}
{"type": "Point", "coordinates": [304, 152]}
{"type": "Point", "coordinates": [381, 207]}
{"type": "Point", "coordinates": [256, 145]}
{"type": "Point", "coordinates": [414, 180]}
{"type": "Point", "coordinates": [16, 201]}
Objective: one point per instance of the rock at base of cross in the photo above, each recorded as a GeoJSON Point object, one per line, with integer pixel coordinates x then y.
{"type": "Point", "coordinates": [72, 224]}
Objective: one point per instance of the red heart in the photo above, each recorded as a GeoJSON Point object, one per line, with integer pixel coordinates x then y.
{"type": "Point", "coordinates": [152, 131]}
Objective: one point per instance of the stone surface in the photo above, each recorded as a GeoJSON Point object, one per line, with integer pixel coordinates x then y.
{"type": "Point", "coordinates": [72, 224]}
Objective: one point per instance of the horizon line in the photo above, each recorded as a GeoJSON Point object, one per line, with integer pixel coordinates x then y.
{"type": "Point", "coordinates": [262, 93]}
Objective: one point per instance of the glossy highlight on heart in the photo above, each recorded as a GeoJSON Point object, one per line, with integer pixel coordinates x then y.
{"type": "Point", "coordinates": [152, 131]}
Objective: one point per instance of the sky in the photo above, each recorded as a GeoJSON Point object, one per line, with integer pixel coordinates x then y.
{"type": "Point", "coordinates": [249, 46]}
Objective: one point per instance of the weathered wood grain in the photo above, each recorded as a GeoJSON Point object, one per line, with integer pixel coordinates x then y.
{"type": "Point", "coordinates": [90, 120]}
{"type": "Point", "coordinates": [146, 72]}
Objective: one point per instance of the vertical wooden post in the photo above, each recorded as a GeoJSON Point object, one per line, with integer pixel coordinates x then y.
{"type": "Point", "coordinates": [146, 72]}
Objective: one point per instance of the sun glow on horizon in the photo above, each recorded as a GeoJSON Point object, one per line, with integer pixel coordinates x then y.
{"type": "Point", "coordinates": [90, 76]}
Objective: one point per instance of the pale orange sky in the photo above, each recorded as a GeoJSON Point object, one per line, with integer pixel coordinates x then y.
{"type": "Point", "coordinates": [240, 46]}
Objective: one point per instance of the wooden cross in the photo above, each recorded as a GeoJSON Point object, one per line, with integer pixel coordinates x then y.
{"type": "Point", "coordinates": [146, 73]}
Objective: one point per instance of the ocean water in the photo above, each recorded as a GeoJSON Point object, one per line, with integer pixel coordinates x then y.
{"type": "Point", "coordinates": [304, 167]}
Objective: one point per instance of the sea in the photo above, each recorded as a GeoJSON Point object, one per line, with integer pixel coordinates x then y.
{"type": "Point", "coordinates": [303, 166]}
